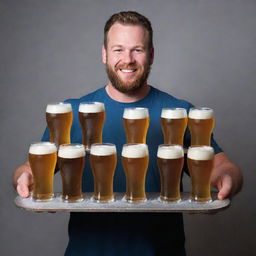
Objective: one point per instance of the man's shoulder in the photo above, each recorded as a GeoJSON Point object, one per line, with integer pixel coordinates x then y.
{"type": "Point", "coordinates": [96, 95]}
{"type": "Point", "coordinates": [167, 98]}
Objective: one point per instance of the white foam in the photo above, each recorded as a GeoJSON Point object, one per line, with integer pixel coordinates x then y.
{"type": "Point", "coordinates": [201, 113]}
{"type": "Point", "coordinates": [71, 151]}
{"type": "Point", "coordinates": [91, 107]}
{"type": "Point", "coordinates": [103, 149]}
{"type": "Point", "coordinates": [135, 113]}
{"type": "Point", "coordinates": [170, 152]}
{"type": "Point", "coordinates": [174, 113]}
{"type": "Point", "coordinates": [58, 108]}
{"type": "Point", "coordinates": [135, 150]}
{"type": "Point", "coordinates": [201, 153]}
{"type": "Point", "coordinates": [42, 148]}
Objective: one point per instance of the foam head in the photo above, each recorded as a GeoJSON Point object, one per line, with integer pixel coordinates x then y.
{"type": "Point", "coordinates": [201, 153]}
{"type": "Point", "coordinates": [91, 107]}
{"type": "Point", "coordinates": [71, 151]}
{"type": "Point", "coordinates": [174, 113]}
{"type": "Point", "coordinates": [170, 151]}
{"type": "Point", "coordinates": [104, 149]}
{"type": "Point", "coordinates": [135, 150]}
{"type": "Point", "coordinates": [201, 113]}
{"type": "Point", "coordinates": [135, 113]}
{"type": "Point", "coordinates": [58, 108]}
{"type": "Point", "coordinates": [42, 148]}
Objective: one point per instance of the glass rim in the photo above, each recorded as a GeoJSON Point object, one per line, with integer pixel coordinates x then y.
{"type": "Point", "coordinates": [72, 145]}
{"type": "Point", "coordinates": [91, 103]}
{"type": "Point", "coordinates": [201, 108]}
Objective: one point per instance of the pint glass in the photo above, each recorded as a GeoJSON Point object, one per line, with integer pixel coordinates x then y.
{"type": "Point", "coordinates": [71, 160]}
{"type": "Point", "coordinates": [201, 123]}
{"type": "Point", "coordinates": [59, 120]}
{"type": "Point", "coordinates": [92, 118]}
{"type": "Point", "coordinates": [42, 159]}
{"type": "Point", "coordinates": [103, 163]}
{"type": "Point", "coordinates": [173, 124]}
{"type": "Point", "coordinates": [135, 163]}
{"type": "Point", "coordinates": [170, 160]}
{"type": "Point", "coordinates": [200, 164]}
{"type": "Point", "coordinates": [136, 122]}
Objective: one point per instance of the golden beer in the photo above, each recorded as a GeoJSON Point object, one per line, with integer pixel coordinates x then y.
{"type": "Point", "coordinates": [136, 123]}
{"type": "Point", "coordinates": [42, 159]}
{"type": "Point", "coordinates": [200, 164]}
{"type": "Point", "coordinates": [135, 163]}
{"type": "Point", "coordinates": [201, 124]}
{"type": "Point", "coordinates": [103, 161]}
{"type": "Point", "coordinates": [59, 118]}
{"type": "Point", "coordinates": [71, 161]}
{"type": "Point", "coordinates": [92, 118]}
{"type": "Point", "coordinates": [170, 160]}
{"type": "Point", "coordinates": [173, 124]}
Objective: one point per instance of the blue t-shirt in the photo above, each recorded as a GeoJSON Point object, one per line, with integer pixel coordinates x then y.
{"type": "Point", "coordinates": [127, 233]}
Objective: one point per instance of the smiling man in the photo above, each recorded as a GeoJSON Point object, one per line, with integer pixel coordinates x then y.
{"type": "Point", "coordinates": [128, 54]}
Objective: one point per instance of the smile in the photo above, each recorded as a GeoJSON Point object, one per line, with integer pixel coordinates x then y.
{"type": "Point", "coordinates": [128, 70]}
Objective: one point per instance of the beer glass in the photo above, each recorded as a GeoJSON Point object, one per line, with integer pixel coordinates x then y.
{"type": "Point", "coordinates": [173, 124]}
{"type": "Point", "coordinates": [135, 163]}
{"type": "Point", "coordinates": [170, 160]}
{"type": "Point", "coordinates": [59, 120]}
{"type": "Point", "coordinates": [92, 118]}
{"type": "Point", "coordinates": [136, 122]}
{"type": "Point", "coordinates": [71, 160]}
{"type": "Point", "coordinates": [201, 123]}
{"type": "Point", "coordinates": [103, 163]}
{"type": "Point", "coordinates": [200, 164]}
{"type": "Point", "coordinates": [42, 159]}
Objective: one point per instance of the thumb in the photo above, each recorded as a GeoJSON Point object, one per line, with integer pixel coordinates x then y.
{"type": "Point", "coordinates": [224, 185]}
{"type": "Point", "coordinates": [24, 184]}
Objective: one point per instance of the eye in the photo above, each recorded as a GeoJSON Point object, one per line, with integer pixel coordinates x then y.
{"type": "Point", "coordinates": [138, 50]}
{"type": "Point", "coordinates": [117, 50]}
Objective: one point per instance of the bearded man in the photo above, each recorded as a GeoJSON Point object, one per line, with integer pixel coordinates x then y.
{"type": "Point", "coordinates": [128, 54]}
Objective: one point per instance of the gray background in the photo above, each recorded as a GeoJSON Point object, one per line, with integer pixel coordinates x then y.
{"type": "Point", "coordinates": [204, 52]}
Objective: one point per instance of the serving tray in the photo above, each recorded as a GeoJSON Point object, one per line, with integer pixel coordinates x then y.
{"type": "Point", "coordinates": [152, 204]}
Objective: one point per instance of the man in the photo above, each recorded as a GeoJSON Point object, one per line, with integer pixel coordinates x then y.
{"type": "Point", "coordinates": [128, 54]}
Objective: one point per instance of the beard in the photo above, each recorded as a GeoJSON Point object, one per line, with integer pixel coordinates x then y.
{"type": "Point", "coordinates": [128, 86]}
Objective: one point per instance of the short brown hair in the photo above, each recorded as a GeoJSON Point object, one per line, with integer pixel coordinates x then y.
{"type": "Point", "coordinates": [132, 18]}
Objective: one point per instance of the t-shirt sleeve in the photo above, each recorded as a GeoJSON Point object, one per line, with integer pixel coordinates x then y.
{"type": "Point", "coordinates": [46, 135]}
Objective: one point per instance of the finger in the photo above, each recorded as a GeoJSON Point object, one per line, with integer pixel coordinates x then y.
{"type": "Point", "coordinates": [23, 190]}
{"type": "Point", "coordinates": [24, 184]}
{"type": "Point", "coordinates": [225, 186]}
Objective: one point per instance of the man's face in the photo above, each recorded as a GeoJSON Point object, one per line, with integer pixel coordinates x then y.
{"type": "Point", "coordinates": [127, 57]}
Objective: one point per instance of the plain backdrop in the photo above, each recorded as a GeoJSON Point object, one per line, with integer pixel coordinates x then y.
{"type": "Point", "coordinates": [204, 52]}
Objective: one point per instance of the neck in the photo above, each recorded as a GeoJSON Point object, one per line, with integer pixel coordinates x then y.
{"type": "Point", "coordinates": [140, 93]}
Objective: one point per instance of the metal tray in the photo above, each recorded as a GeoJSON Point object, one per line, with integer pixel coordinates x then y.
{"type": "Point", "coordinates": [153, 204]}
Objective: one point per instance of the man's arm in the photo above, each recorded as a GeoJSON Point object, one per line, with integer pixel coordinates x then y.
{"type": "Point", "coordinates": [23, 180]}
{"type": "Point", "coordinates": [226, 176]}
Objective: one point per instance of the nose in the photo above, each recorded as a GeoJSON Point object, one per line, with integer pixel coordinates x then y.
{"type": "Point", "coordinates": [128, 57]}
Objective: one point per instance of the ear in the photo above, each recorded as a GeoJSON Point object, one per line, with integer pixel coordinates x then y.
{"type": "Point", "coordinates": [151, 55]}
{"type": "Point", "coordinates": [104, 54]}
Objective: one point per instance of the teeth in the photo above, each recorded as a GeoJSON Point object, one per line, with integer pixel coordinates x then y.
{"type": "Point", "coordinates": [127, 70]}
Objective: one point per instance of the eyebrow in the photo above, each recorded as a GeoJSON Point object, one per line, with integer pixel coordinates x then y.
{"type": "Point", "coordinates": [121, 46]}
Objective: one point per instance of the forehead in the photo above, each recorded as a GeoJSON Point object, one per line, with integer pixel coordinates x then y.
{"type": "Point", "coordinates": [127, 35]}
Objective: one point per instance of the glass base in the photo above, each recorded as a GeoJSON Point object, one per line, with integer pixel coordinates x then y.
{"type": "Point", "coordinates": [200, 201]}
{"type": "Point", "coordinates": [103, 201]}
{"type": "Point", "coordinates": [168, 201]}
{"type": "Point", "coordinates": [135, 201]}
{"type": "Point", "coordinates": [42, 199]}
{"type": "Point", "coordinates": [78, 200]}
